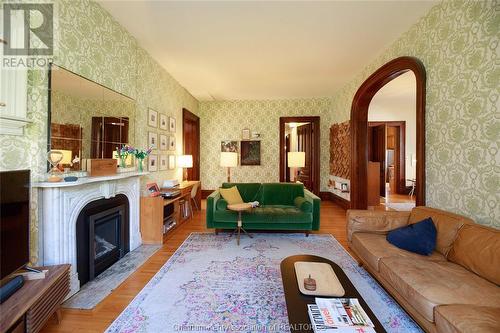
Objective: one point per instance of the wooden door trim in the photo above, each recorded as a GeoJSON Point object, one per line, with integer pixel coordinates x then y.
{"type": "Point", "coordinates": [315, 167]}
{"type": "Point", "coordinates": [188, 115]}
{"type": "Point", "coordinates": [359, 126]}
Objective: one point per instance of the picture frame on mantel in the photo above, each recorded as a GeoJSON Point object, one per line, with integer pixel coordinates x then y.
{"type": "Point", "coordinates": [152, 118]}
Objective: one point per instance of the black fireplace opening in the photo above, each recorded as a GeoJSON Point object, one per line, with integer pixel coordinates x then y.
{"type": "Point", "coordinates": [102, 236]}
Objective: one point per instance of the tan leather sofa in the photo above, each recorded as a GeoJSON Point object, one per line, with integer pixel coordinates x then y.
{"type": "Point", "coordinates": [455, 289]}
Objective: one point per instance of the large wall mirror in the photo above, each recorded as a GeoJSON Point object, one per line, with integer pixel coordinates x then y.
{"type": "Point", "coordinates": [87, 120]}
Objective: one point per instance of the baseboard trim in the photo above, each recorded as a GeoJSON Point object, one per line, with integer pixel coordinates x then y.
{"type": "Point", "coordinates": [335, 199]}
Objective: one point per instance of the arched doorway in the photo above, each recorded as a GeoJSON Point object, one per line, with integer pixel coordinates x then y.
{"type": "Point", "coordinates": [359, 127]}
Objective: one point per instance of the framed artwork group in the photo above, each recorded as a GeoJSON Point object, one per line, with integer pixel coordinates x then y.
{"type": "Point", "coordinates": [161, 141]}
{"type": "Point", "coordinates": [249, 150]}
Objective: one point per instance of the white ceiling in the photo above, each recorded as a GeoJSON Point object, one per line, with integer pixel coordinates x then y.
{"type": "Point", "coordinates": [397, 97]}
{"type": "Point", "coordinates": [265, 49]}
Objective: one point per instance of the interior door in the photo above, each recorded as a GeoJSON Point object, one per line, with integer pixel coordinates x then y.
{"type": "Point", "coordinates": [287, 150]}
{"type": "Point", "coordinates": [376, 150]}
{"type": "Point", "coordinates": [191, 141]}
{"type": "Point", "coordinates": [305, 142]}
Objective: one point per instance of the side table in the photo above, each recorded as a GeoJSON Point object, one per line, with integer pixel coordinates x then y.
{"type": "Point", "coordinates": [240, 208]}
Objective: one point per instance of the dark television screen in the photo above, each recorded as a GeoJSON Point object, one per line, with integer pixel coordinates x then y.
{"type": "Point", "coordinates": [14, 220]}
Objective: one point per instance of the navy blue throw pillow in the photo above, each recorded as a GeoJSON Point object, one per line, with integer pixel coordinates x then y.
{"type": "Point", "coordinates": [419, 237]}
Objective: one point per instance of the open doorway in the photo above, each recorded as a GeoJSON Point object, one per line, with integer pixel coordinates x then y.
{"type": "Point", "coordinates": [392, 141]}
{"type": "Point", "coordinates": [191, 142]}
{"type": "Point", "coordinates": [300, 134]}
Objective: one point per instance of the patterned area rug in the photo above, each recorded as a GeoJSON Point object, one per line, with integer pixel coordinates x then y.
{"type": "Point", "coordinates": [211, 284]}
{"type": "Point", "coordinates": [96, 290]}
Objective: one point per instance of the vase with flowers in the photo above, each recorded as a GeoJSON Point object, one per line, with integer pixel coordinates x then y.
{"type": "Point", "coordinates": [123, 153]}
{"type": "Point", "coordinates": [140, 155]}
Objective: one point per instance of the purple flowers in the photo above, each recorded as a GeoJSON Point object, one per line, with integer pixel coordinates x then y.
{"type": "Point", "coordinates": [126, 150]}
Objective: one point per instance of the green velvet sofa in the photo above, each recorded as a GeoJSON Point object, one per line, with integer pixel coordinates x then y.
{"type": "Point", "coordinates": [283, 206]}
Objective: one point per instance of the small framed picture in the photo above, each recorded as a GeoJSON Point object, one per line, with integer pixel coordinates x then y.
{"type": "Point", "coordinates": [153, 163]}
{"type": "Point", "coordinates": [245, 134]}
{"type": "Point", "coordinates": [171, 142]}
{"type": "Point", "coordinates": [163, 122]}
{"type": "Point", "coordinates": [163, 162]}
{"type": "Point", "coordinates": [229, 146]}
{"type": "Point", "coordinates": [171, 125]}
{"type": "Point", "coordinates": [171, 162]}
{"type": "Point", "coordinates": [152, 118]}
{"type": "Point", "coordinates": [163, 142]}
{"type": "Point", "coordinates": [153, 140]}
{"type": "Point", "coordinates": [153, 189]}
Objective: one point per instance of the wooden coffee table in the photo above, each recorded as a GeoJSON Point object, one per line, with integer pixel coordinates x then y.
{"type": "Point", "coordinates": [240, 208]}
{"type": "Point", "coordinates": [296, 302]}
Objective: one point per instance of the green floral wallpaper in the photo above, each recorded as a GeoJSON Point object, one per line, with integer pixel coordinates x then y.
{"type": "Point", "coordinates": [458, 43]}
{"type": "Point", "coordinates": [224, 120]}
{"type": "Point", "coordinates": [89, 42]}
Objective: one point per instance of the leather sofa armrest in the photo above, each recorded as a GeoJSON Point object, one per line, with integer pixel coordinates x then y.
{"type": "Point", "coordinates": [316, 207]}
{"type": "Point", "coordinates": [370, 221]}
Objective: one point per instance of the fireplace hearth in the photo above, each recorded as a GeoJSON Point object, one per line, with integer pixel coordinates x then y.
{"type": "Point", "coordinates": [102, 236]}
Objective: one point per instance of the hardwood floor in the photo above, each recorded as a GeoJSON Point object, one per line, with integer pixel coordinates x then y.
{"type": "Point", "coordinates": [97, 320]}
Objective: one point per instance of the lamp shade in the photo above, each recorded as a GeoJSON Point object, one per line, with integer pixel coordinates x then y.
{"type": "Point", "coordinates": [296, 159]}
{"type": "Point", "coordinates": [228, 159]}
{"type": "Point", "coordinates": [185, 161]}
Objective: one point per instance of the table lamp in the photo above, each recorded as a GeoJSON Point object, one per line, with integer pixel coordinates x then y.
{"type": "Point", "coordinates": [296, 159]}
{"type": "Point", "coordinates": [185, 162]}
{"type": "Point", "coordinates": [228, 160]}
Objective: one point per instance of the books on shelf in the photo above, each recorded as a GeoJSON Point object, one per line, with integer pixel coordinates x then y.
{"type": "Point", "coordinates": [341, 315]}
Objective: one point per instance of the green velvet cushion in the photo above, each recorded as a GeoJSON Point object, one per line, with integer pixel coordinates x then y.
{"type": "Point", "coordinates": [281, 193]}
{"type": "Point", "coordinates": [302, 204]}
{"type": "Point", "coordinates": [249, 191]}
{"type": "Point", "coordinates": [221, 204]}
{"type": "Point", "coordinates": [283, 215]}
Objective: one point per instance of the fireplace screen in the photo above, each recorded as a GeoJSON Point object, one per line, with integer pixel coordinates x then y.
{"type": "Point", "coordinates": [106, 239]}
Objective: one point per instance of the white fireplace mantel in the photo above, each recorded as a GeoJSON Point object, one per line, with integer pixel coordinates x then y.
{"type": "Point", "coordinates": [61, 203]}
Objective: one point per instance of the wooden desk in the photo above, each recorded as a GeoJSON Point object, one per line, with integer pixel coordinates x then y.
{"type": "Point", "coordinates": [152, 209]}
{"type": "Point", "coordinates": [29, 308]}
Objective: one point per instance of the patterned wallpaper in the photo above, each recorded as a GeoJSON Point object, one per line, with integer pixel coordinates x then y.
{"type": "Point", "coordinates": [91, 43]}
{"type": "Point", "coordinates": [340, 150]}
{"type": "Point", "coordinates": [458, 43]}
{"type": "Point", "coordinates": [224, 120]}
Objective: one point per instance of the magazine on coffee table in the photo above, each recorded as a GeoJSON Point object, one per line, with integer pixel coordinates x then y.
{"type": "Point", "coordinates": [318, 324]}
{"type": "Point", "coordinates": [342, 312]}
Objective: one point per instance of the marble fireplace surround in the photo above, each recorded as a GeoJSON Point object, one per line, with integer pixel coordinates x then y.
{"type": "Point", "coordinates": [60, 205]}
